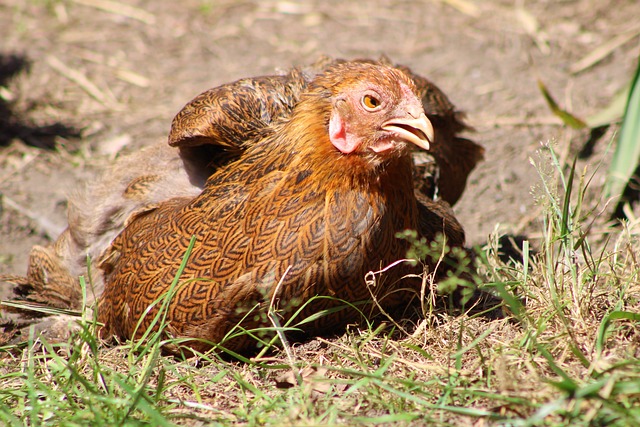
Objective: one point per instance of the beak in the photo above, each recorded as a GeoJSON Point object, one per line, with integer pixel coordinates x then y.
{"type": "Point", "coordinates": [417, 131]}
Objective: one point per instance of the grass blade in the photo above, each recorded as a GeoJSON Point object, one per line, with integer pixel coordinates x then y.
{"type": "Point", "coordinates": [566, 117]}
{"type": "Point", "coordinates": [627, 154]}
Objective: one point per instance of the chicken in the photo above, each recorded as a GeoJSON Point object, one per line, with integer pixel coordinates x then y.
{"type": "Point", "coordinates": [306, 211]}
{"type": "Point", "coordinates": [220, 123]}
{"type": "Point", "coordinates": [218, 127]}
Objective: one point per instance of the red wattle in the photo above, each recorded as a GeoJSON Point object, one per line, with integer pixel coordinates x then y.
{"type": "Point", "coordinates": [339, 137]}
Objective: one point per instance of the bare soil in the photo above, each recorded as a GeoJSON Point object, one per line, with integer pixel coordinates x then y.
{"type": "Point", "coordinates": [81, 84]}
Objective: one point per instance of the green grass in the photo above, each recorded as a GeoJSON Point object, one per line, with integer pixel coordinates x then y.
{"type": "Point", "coordinates": [567, 353]}
{"type": "Point", "coordinates": [624, 106]}
{"type": "Point", "coordinates": [626, 157]}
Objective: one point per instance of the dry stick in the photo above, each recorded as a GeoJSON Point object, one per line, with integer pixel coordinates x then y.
{"type": "Point", "coordinates": [81, 80]}
{"type": "Point", "coordinates": [121, 9]}
{"type": "Point", "coordinates": [532, 27]}
{"type": "Point", "coordinates": [603, 51]}
{"type": "Point", "coordinates": [123, 74]}
{"type": "Point", "coordinates": [133, 78]}
{"type": "Point", "coordinates": [464, 6]}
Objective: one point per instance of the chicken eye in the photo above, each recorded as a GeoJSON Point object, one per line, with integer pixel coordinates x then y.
{"type": "Point", "coordinates": [370, 102]}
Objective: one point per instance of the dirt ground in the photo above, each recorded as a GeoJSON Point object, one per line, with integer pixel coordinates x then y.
{"type": "Point", "coordinates": [82, 81]}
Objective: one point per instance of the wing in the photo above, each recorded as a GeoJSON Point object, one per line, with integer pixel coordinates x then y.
{"type": "Point", "coordinates": [216, 126]}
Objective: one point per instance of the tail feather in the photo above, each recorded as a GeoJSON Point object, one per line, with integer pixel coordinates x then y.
{"type": "Point", "coordinates": [47, 298]}
{"type": "Point", "coordinates": [48, 281]}
{"type": "Point", "coordinates": [97, 214]}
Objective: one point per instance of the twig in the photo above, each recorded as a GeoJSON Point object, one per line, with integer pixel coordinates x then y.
{"type": "Point", "coordinates": [532, 27]}
{"type": "Point", "coordinates": [133, 78]}
{"type": "Point", "coordinates": [121, 73]}
{"type": "Point", "coordinates": [603, 51]}
{"type": "Point", "coordinates": [465, 6]}
{"type": "Point", "coordinates": [121, 9]}
{"type": "Point", "coordinates": [81, 80]}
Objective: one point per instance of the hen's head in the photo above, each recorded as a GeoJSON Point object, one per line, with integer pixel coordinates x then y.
{"type": "Point", "coordinates": [375, 110]}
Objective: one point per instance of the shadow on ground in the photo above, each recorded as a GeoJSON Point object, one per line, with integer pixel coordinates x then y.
{"type": "Point", "coordinates": [11, 126]}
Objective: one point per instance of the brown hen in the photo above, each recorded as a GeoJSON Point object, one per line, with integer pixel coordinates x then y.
{"type": "Point", "coordinates": [217, 127]}
{"type": "Point", "coordinates": [314, 205]}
